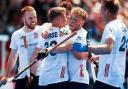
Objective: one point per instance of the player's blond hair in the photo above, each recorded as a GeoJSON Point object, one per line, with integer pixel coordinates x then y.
{"type": "Point", "coordinates": [54, 12]}
{"type": "Point", "coordinates": [79, 12]}
{"type": "Point", "coordinates": [26, 9]}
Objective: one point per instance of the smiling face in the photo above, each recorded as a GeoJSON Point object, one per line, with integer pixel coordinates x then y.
{"type": "Point", "coordinates": [75, 22]}
{"type": "Point", "coordinates": [77, 19]}
{"type": "Point", "coordinates": [30, 19]}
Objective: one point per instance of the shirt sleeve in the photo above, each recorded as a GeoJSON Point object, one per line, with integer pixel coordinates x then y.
{"type": "Point", "coordinates": [109, 32]}
{"type": "Point", "coordinates": [41, 42]}
{"type": "Point", "coordinates": [81, 38]}
{"type": "Point", "coordinates": [13, 44]}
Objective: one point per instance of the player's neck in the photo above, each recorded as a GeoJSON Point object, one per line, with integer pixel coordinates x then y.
{"type": "Point", "coordinates": [76, 29]}
{"type": "Point", "coordinates": [56, 25]}
{"type": "Point", "coordinates": [111, 18]}
{"type": "Point", "coordinates": [27, 29]}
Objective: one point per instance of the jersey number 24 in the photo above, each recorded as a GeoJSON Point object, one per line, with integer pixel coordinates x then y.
{"type": "Point", "coordinates": [124, 42]}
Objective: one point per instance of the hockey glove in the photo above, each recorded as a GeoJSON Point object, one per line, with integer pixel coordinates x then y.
{"type": "Point", "coordinates": [42, 54]}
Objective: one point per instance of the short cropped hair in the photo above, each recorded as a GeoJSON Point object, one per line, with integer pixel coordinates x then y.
{"type": "Point", "coordinates": [26, 8]}
{"type": "Point", "coordinates": [79, 12]}
{"type": "Point", "coordinates": [54, 12]}
{"type": "Point", "coordinates": [111, 5]}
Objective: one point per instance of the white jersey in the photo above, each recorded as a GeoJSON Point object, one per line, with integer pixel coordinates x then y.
{"type": "Point", "coordinates": [112, 66]}
{"type": "Point", "coordinates": [77, 68]}
{"type": "Point", "coordinates": [17, 42]}
{"type": "Point", "coordinates": [54, 67]}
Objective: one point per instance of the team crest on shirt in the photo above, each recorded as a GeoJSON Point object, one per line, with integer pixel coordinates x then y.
{"type": "Point", "coordinates": [35, 35]}
{"type": "Point", "coordinates": [79, 38]}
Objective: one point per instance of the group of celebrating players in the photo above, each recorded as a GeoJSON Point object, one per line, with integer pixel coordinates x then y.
{"type": "Point", "coordinates": [65, 67]}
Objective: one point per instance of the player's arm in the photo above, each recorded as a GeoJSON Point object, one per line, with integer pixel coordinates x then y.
{"type": "Point", "coordinates": [102, 49]}
{"type": "Point", "coordinates": [33, 58]}
{"type": "Point", "coordinates": [11, 62]}
{"type": "Point", "coordinates": [62, 48]}
{"type": "Point", "coordinates": [35, 53]}
{"type": "Point", "coordinates": [80, 55]}
{"type": "Point", "coordinates": [67, 47]}
{"type": "Point", "coordinates": [96, 49]}
{"type": "Point", "coordinates": [46, 28]}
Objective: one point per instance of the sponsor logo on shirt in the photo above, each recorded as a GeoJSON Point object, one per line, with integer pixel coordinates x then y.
{"type": "Point", "coordinates": [32, 44]}
{"type": "Point", "coordinates": [35, 35]}
{"type": "Point", "coordinates": [79, 39]}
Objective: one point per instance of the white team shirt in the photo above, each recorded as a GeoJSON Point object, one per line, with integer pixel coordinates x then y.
{"type": "Point", "coordinates": [17, 42]}
{"type": "Point", "coordinates": [77, 68]}
{"type": "Point", "coordinates": [112, 66]}
{"type": "Point", "coordinates": [54, 67]}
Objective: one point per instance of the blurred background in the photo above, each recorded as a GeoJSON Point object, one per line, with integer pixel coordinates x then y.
{"type": "Point", "coordinates": [10, 20]}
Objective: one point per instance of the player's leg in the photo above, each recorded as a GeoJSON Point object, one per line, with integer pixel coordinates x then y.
{"type": "Point", "coordinates": [40, 87]}
{"type": "Point", "coordinates": [76, 85]}
{"type": "Point", "coordinates": [34, 83]}
{"type": "Point", "coordinates": [61, 85]}
{"type": "Point", "coordinates": [21, 83]}
{"type": "Point", "coordinates": [100, 85]}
